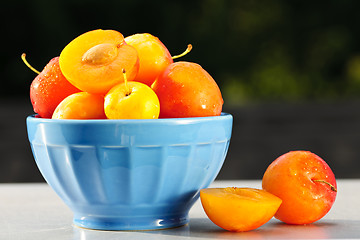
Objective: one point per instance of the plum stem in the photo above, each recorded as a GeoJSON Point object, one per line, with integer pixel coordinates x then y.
{"type": "Point", "coordinates": [125, 82]}
{"type": "Point", "coordinates": [188, 49]}
{"type": "Point", "coordinates": [23, 57]}
{"type": "Point", "coordinates": [323, 181]}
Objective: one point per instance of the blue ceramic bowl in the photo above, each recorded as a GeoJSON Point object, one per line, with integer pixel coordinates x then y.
{"type": "Point", "coordinates": [130, 174]}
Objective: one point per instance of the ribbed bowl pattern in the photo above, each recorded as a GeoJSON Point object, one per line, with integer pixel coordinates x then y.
{"type": "Point", "coordinates": [130, 174]}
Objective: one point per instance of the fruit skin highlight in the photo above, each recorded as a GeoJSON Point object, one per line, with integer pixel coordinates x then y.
{"type": "Point", "coordinates": [93, 61]}
{"type": "Point", "coordinates": [154, 57]}
{"type": "Point", "coordinates": [185, 89]}
{"type": "Point", "coordinates": [306, 185]}
{"type": "Point", "coordinates": [239, 209]}
{"type": "Point", "coordinates": [49, 88]}
{"type": "Point", "coordinates": [81, 105]}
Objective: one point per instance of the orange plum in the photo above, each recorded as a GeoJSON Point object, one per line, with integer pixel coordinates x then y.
{"type": "Point", "coordinates": [93, 61]}
{"type": "Point", "coordinates": [81, 105]}
{"type": "Point", "coordinates": [185, 89]}
{"type": "Point", "coordinates": [154, 57]}
{"type": "Point", "coordinates": [131, 100]}
{"type": "Point", "coordinates": [305, 184]}
{"type": "Point", "coordinates": [49, 88]}
{"type": "Point", "coordinates": [239, 209]}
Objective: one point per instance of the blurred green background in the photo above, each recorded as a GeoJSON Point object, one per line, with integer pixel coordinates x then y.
{"type": "Point", "coordinates": [289, 71]}
{"type": "Point", "coordinates": [256, 50]}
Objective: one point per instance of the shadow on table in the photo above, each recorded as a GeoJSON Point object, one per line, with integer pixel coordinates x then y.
{"type": "Point", "coordinates": [204, 228]}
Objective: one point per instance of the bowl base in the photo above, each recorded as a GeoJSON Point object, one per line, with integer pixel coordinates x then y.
{"type": "Point", "coordinates": [132, 223]}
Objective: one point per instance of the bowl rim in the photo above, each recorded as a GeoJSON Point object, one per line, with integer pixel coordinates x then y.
{"type": "Point", "coordinates": [222, 116]}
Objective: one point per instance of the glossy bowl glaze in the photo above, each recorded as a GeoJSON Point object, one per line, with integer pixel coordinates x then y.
{"type": "Point", "coordinates": [130, 174]}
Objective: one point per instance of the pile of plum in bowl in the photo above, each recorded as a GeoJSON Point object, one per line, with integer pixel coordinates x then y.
{"type": "Point", "coordinates": [124, 135]}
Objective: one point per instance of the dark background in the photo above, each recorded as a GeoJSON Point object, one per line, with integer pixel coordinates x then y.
{"type": "Point", "coordinates": [289, 71]}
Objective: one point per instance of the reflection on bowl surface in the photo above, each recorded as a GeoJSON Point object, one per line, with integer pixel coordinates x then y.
{"type": "Point", "coordinates": [130, 174]}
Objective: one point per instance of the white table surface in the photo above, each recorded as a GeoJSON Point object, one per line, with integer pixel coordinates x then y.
{"type": "Point", "coordinates": [33, 211]}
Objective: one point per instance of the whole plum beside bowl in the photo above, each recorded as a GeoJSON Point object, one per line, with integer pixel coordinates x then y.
{"type": "Point", "coordinates": [130, 174]}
